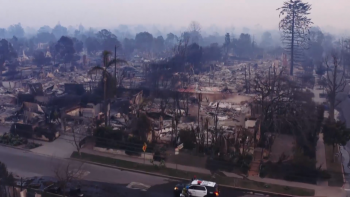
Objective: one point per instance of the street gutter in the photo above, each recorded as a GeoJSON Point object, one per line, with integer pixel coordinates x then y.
{"type": "Point", "coordinates": [250, 191]}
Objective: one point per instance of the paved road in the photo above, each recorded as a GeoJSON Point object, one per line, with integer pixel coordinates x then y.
{"type": "Point", "coordinates": [97, 179]}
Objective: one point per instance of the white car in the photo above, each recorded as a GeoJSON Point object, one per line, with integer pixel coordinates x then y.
{"type": "Point", "coordinates": [202, 188]}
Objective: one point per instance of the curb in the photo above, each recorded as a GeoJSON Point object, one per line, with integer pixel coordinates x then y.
{"type": "Point", "coordinates": [250, 191]}
{"type": "Point", "coordinates": [342, 168]}
{"type": "Point", "coordinates": [245, 190]}
{"type": "Point", "coordinates": [8, 146]}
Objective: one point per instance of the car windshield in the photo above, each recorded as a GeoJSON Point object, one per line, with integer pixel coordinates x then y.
{"type": "Point", "coordinates": [212, 189]}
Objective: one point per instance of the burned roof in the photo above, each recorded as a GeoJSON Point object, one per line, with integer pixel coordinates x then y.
{"type": "Point", "coordinates": [74, 88]}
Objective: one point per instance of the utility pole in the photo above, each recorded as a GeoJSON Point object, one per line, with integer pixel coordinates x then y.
{"type": "Point", "coordinates": [249, 78]}
{"type": "Point", "coordinates": [115, 65]}
{"type": "Point", "coordinates": [245, 78]}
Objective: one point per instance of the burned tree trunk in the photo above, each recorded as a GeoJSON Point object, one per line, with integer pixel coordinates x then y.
{"type": "Point", "coordinates": [335, 84]}
{"type": "Point", "coordinates": [199, 105]}
{"type": "Point", "coordinates": [245, 78]}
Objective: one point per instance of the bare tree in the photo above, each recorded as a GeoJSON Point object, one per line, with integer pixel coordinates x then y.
{"type": "Point", "coordinates": [67, 172]}
{"type": "Point", "coordinates": [275, 93]}
{"type": "Point", "coordinates": [185, 102]}
{"type": "Point", "coordinates": [77, 137]}
{"type": "Point", "coordinates": [263, 83]}
{"type": "Point", "coordinates": [322, 82]}
{"type": "Point", "coordinates": [164, 101]}
{"type": "Point", "coordinates": [195, 26]}
{"type": "Point", "coordinates": [195, 31]}
{"type": "Point", "coordinates": [283, 105]}
{"type": "Point", "coordinates": [200, 96]}
{"type": "Point", "coordinates": [215, 132]}
{"type": "Point", "coordinates": [176, 111]}
{"type": "Point", "coordinates": [335, 83]}
{"type": "Point", "coordinates": [120, 76]}
{"type": "Point", "coordinates": [246, 138]}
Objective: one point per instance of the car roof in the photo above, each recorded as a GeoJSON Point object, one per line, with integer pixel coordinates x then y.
{"type": "Point", "coordinates": [203, 183]}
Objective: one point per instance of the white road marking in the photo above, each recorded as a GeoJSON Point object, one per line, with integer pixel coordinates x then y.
{"type": "Point", "coordinates": [80, 173]}
{"type": "Point", "coordinates": [139, 186]}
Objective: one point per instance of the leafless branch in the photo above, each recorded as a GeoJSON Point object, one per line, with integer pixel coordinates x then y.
{"type": "Point", "coordinates": [335, 82]}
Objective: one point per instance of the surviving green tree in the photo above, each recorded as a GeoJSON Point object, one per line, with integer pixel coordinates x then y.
{"type": "Point", "coordinates": [158, 44]}
{"type": "Point", "coordinates": [59, 31]}
{"type": "Point", "coordinates": [295, 29]}
{"type": "Point", "coordinates": [65, 49]}
{"type": "Point", "coordinates": [40, 59]}
{"type": "Point", "coordinates": [108, 40]}
{"type": "Point", "coordinates": [7, 53]}
{"type": "Point", "coordinates": [227, 45]}
{"type": "Point", "coordinates": [244, 46]}
{"type": "Point", "coordinates": [92, 45]}
{"type": "Point", "coordinates": [266, 40]}
{"type": "Point", "coordinates": [45, 37]}
{"type": "Point", "coordinates": [335, 133]}
{"type": "Point", "coordinates": [16, 30]}
{"type": "Point", "coordinates": [144, 41]}
{"type": "Point", "coordinates": [129, 46]}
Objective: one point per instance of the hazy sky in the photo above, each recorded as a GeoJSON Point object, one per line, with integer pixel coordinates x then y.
{"type": "Point", "coordinates": [177, 13]}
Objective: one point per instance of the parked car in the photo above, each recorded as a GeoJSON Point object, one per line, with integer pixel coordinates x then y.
{"type": "Point", "coordinates": [72, 192]}
{"type": "Point", "coordinates": [75, 192]}
{"type": "Point", "coordinates": [54, 190]}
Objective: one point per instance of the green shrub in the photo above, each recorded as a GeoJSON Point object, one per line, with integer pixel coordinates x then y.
{"type": "Point", "coordinates": [323, 174]}
{"type": "Point", "coordinates": [12, 140]}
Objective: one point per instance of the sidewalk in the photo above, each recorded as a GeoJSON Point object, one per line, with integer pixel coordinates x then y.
{"type": "Point", "coordinates": [321, 158]}
{"type": "Point", "coordinates": [319, 190]}
{"type": "Point", "coordinates": [146, 161]}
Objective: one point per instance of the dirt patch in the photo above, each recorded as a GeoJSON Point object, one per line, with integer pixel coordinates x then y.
{"type": "Point", "coordinates": [237, 99]}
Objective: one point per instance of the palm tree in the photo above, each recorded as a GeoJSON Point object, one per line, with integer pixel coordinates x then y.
{"type": "Point", "coordinates": [106, 75]}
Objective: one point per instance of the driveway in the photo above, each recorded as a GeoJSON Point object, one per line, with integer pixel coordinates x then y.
{"type": "Point", "coordinates": [62, 147]}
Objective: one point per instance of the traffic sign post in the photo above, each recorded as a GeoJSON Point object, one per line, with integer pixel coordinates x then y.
{"type": "Point", "coordinates": [177, 149]}
{"type": "Point", "coordinates": [176, 153]}
{"type": "Point", "coordinates": [144, 147]}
